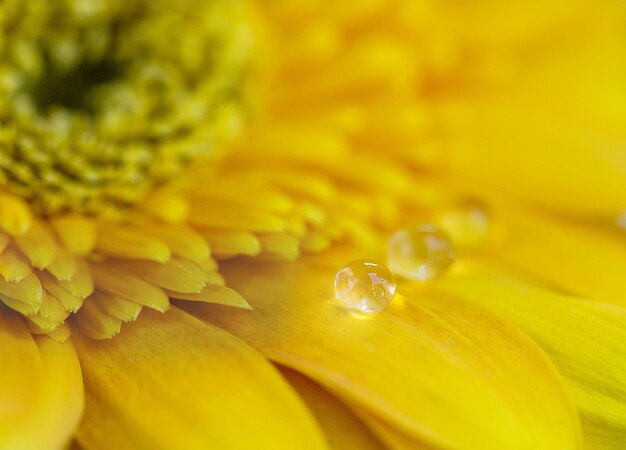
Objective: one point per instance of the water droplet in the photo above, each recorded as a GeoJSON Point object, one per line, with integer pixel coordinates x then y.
{"type": "Point", "coordinates": [467, 224]}
{"type": "Point", "coordinates": [365, 286]}
{"type": "Point", "coordinates": [420, 252]}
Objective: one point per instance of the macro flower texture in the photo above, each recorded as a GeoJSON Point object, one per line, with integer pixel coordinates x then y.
{"type": "Point", "coordinates": [312, 224]}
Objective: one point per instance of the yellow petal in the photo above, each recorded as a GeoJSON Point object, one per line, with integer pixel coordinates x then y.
{"type": "Point", "coordinates": [81, 284]}
{"type": "Point", "coordinates": [315, 242]}
{"type": "Point", "coordinates": [423, 371]}
{"type": "Point", "coordinates": [567, 171]}
{"type": "Point", "coordinates": [41, 392]}
{"type": "Point", "coordinates": [28, 290]}
{"type": "Point", "coordinates": [60, 334]}
{"type": "Point", "coordinates": [111, 279]}
{"type": "Point", "coordinates": [95, 322]}
{"type": "Point", "coordinates": [170, 381]}
{"type": "Point", "coordinates": [13, 265]}
{"type": "Point", "coordinates": [177, 274]}
{"type": "Point", "coordinates": [70, 302]}
{"type": "Point", "coordinates": [574, 257]}
{"type": "Point", "coordinates": [16, 216]}
{"type": "Point", "coordinates": [586, 340]}
{"type": "Point", "coordinates": [214, 294]}
{"type": "Point", "coordinates": [38, 245]}
{"type": "Point", "coordinates": [183, 241]}
{"type": "Point", "coordinates": [124, 242]}
{"type": "Point", "coordinates": [280, 245]}
{"type": "Point", "coordinates": [229, 243]}
{"type": "Point", "coordinates": [393, 438]}
{"type": "Point", "coordinates": [226, 216]}
{"type": "Point", "coordinates": [5, 240]}
{"type": "Point", "coordinates": [168, 206]}
{"type": "Point", "coordinates": [51, 308]}
{"type": "Point", "coordinates": [64, 266]}
{"type": "Point", "coordinates": [343, 430]}
{"type": "Point", "coordinates": [78, 233]}
{"type": "Point", "coordinates": [117, 307]}
{"type": "Point", "coordinates": [563, 153]}
{"type": "Point", "coordinates": [17, 305]}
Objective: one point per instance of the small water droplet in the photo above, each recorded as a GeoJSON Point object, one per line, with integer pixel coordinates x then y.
{"type": "Point", "coordinates": [419, 253]}
{"type": "Point", "coordinates": [365, 286]}
{"type": "Point", "coordinates": [467, 223]}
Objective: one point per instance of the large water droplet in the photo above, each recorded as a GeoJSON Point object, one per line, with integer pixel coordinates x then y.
{"type": "Point", "coordinates": [419, 253]}
{"type": "Point", "coordinates": [365, 286]}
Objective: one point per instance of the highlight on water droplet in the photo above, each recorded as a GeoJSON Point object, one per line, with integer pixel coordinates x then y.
{"type": "Point", "coordinates": [419, 252]}
{"type": "Point", "coordinates": [467, 224]}
{"type": "Point", "coordinates": [365, 286]}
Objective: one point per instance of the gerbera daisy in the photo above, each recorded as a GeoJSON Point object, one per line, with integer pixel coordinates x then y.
{"type": "Point", "coordinates": [180, 184]}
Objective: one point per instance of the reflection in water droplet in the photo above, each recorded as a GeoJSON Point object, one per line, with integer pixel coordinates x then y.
{"type": "Point", "coordinates": [365, 286]}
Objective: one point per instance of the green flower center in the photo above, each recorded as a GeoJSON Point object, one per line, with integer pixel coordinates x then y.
{"type": "Point", "coordinates": [106, 99]}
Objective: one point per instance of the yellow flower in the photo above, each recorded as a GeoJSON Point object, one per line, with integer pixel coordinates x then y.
{"type": "Point", "coordinates": [181, 181]}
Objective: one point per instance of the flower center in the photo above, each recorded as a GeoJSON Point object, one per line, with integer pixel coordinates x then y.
{"type": "Point", "coordinates": [77, 89]}
{"type": "Point", "coordinates": [108, 99]}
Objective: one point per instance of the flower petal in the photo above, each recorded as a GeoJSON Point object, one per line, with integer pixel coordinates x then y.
{"type": "Point", "coordinates": [562, 167]}
{"type": "Point", "coordinates": [171, 381]}
{"type": "Point", "coordinates": [17, 217]}
{"type": "Point", "coordinates": [574, 257]}
{"type": "Point", "coordinates": [565, 154]}
{"type": "Point", "coordinates": [392, 437]}
{"type": "Point", "coordinates": [585, 340]}
{"type": "Point", "coordinates": [343, 429]}
{"type": "Point", "coordinates": [41, 393]}
{"type": "Point", "coordinates": [393, 365]}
